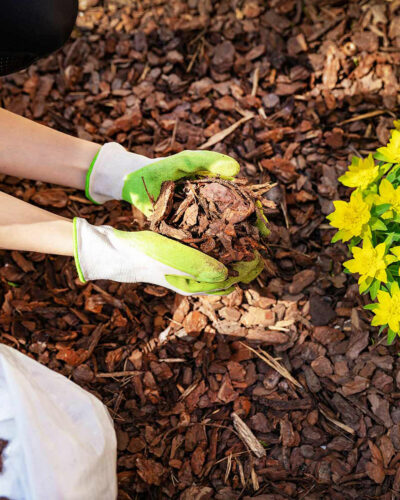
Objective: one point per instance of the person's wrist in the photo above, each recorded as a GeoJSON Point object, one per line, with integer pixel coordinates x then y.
{"type": "Point", "coordinates": [107, 172]}
{"type": "Point", "coordinates": [94, 256]}
{"type": "Point", "coordinates": [103, 252]}
{"type": "Point", "coordinates": [104, 180]}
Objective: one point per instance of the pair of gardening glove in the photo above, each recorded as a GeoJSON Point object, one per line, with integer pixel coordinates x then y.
{"type": "Point", "coordinates": [102, 252]}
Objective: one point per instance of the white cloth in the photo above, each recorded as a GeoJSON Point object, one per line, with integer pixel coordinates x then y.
{"type": "Point", "coordinates": [61, 440]}
{"type": "Point", "coordinates": [112, 165]}
{"type": "Point", "coordinates": [103, 255]}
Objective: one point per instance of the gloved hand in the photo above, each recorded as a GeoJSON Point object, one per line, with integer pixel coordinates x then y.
{"type": "Point", "coordinates": [102, 252]}
{"type": "Point", "coordinates": [145, 256]}
{"type": "Point", "coordinates": [116, 174]}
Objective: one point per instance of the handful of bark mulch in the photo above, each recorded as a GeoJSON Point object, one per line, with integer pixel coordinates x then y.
{"type": "Point", "coordinates": [213, 215]}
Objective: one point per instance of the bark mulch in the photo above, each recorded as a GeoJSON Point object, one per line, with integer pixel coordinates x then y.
{"type": "Point", "coordinates": [281, 389]}
{"type": "Point", "coordinates": [217, 216]}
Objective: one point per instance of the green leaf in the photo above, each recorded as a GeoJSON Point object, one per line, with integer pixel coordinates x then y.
{"type": "Point", "coordinates": [381, 157]}
{"type": "Point", "coordinates": [375, 287]}
{"type": "Point", "coordinates": [364, 286]}
{"type": "Point", "coordinates": [391, 336]}
{"type": "Point", "coordinates": [14, 285]}
{"type": "Point", "coordinates": [393, 174]}
{"type": "Point", "coordinates": [394, 271]}
{"type": "Point", "coordinates": [262, 220]}
{"type": "Point", "coordinates": [377, 225]}
{"type": "Point", "coordinates": [380, 209]}
{"type": "Point", "coordinates": [353, 242]}
{"type": "Point", "coordinates": [337, 237]}
{"type": "Point", "coordinates": [384, 167]}
{"type": "Point", "coordinates": [371, 307]}
{"type": "Point", "coordinates": [389, 240]}
{"type": "Point", "coordinates": [382, 328]}
{"type": "Point", "coordinates": [262, 227]}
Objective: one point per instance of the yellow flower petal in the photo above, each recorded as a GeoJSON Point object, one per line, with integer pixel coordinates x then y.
{"type": "Point", "coordinates": [394, 323]}
{"type": "Point", "coordinates": [380, 250]}
{"type": "Point", "coordinates": [388, 195]}
{"type": "Point", "coordinates": [350, 218]}
{"type": "Point", "coordinates": [351, 265]}
{"type": "Point", "coordinates": [381, 275]}
{"type": "Point", "coordinates": [388, 310]}
{"type": "Point", "coordinates": [389, 259]}
{"type": "Point", "coordinates": [361, 173]}
{"type": "Point", "coordinates": [369, 262]}
{"type": "Point", "coordinates": [392, 151]}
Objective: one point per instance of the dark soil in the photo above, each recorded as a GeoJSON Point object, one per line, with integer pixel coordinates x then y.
{"type": "Point", "coordinates": [292, 90]}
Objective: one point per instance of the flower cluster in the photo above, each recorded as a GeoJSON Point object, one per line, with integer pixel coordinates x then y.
{"type": "Point", "coordinates": [370, 223]}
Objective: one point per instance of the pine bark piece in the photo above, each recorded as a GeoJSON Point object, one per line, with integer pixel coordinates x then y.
{"type": "Point", "coordinates": [356, 385]}
{"type": "Point", "coordinates": [191, 214]}
{"type": "Point", "coordinates": [247, 436]}
{"type": "Point", "coordinates": [150, 471]}
{"type": "Point", "coordinates": [375, 472]}
{"type": "Point", "coordinates": [183, 207]}
{"type": "Point", "coordinates": [164, 203]}
{"type": "Point", "coordinates": [195, 322]}
{"type": "Point", "coordinates": [302, 280]}
{"type": "Point", "coordinates": [232, 206]}
{"type": "Point", "coordinates": [226, 393]}
{"type": "Point", "coordinates": [172, 232]}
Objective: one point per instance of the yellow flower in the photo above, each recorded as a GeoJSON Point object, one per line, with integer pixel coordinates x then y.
{"type": "Point", "coordinates": [351, 218]}
{"type": "Point", "coordinates": [361, 173]}
{"type": "Point", "coordinates": [388, 195]}
{"type": "Point", "coordinates": [388, 310]}
{"type": "Point", "coordinates": [391, 152]}
{"type": "Point", "coordinates": [370, 262]}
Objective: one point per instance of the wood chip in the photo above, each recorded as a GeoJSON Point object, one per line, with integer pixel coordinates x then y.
{"type": "Point", "coordinates": [247, 436]}
{"type": "Point", "coordinates": [220, 136]}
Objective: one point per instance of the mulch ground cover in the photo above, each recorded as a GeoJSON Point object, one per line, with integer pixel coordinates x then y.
{"type": "Point", "coordinates": [281, 389]}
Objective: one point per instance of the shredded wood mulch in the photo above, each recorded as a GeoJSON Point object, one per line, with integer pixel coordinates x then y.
{"type": "Point", "coordinates": [216, 216]}
{"type": "Point", "coordinates": [280, 390]}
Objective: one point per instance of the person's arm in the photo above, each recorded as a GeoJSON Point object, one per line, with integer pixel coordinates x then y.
{"type": "Point", "coordinates": [102, 252]}
{"type": "Point", "coordinates": [26, 227]}
{"type": "Point", "coordinates": [32, 151]}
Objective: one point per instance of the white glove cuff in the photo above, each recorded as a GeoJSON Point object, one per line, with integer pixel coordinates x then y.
{"type": "Point", "coordinates": [101, 254]}
{"type": "Point", "coordinates": [108, 170]}
{"type": "Point", "coordinates": [92, 249]}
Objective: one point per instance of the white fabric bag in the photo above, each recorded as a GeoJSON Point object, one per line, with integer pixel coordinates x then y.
{"type": "Point", "coordinates": [61, 439]}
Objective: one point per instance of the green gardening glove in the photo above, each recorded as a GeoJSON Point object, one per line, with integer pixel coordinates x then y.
{"type": "Point", "coordinates": [102, 252]}
{"type": "Point", "coordinates": [117, 174]}
{"type": "Point", "coordinates": [246, 272]}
